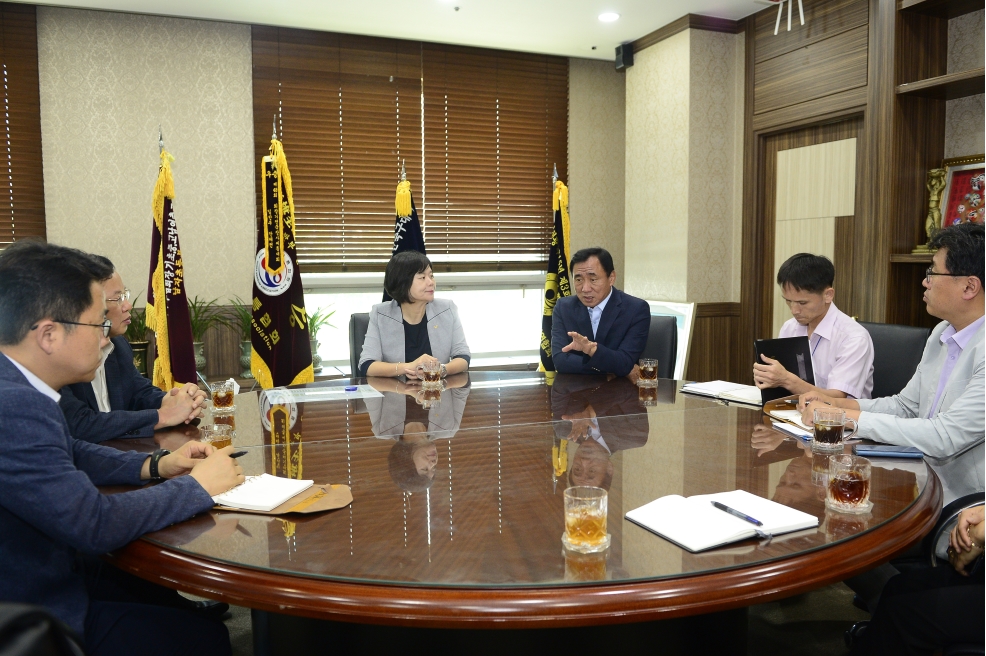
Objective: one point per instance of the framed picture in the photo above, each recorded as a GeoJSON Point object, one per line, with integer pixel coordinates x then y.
{"type": "Point", "coordinates": [684, 316]}
{"type": "Point", "coordinates": [963, 197]}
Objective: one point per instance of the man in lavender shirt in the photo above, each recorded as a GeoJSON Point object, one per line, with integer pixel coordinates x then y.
{"type": "Point", "coordinates": [841, 349]}
{"type": "Point", "coordinates": [942, 410]}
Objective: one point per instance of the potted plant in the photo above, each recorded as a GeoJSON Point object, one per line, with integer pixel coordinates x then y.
{"type": "Point", "coordinates": [243, 319]}
{"type": "Point", "coordinates": [203, 315]}
{"type": "Point", "coordinates": [316, 321]}
{"type": "Point", "coordinates": [137, 336]}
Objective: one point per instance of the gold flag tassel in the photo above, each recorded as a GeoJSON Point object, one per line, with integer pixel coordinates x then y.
{"type": "Point", "coordinates": [156, 313]}
{"type": "Point", "coordinates": [560, 197]}
{"type": "Point", "coordinates": [403, 200]}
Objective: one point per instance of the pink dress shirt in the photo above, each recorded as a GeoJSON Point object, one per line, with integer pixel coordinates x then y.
{"type": "Point", "coordinates": [841, 353]}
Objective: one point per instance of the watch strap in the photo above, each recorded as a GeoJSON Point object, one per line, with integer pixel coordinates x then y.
{"type": "Point", "coordinates": [155, 458]}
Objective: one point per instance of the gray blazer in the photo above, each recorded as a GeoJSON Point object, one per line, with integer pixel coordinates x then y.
{"type": "Point", "coordinates": [952, 440]}
{"type": "Point", "coordinates": [384, 340]}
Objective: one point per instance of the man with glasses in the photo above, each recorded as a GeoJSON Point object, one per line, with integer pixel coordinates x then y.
{"type": "Point", "coordinates": [119, 402]}
{"type": "Point", "coordinates": [942, 410]}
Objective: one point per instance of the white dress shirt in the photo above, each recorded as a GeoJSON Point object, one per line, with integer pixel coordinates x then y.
{"type": "Point", "coordinates": [36, 382]}
{"type": "Point", "coordinates": [99, 382]}
{"type": "Point", "coordinates": [595, 313]}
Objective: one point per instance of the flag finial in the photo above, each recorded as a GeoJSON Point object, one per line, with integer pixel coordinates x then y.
{"type": "Point", "coordinates": [554, 175]}
{"type": "Point", "coordinates": [160, 140]}
{"type": "Point", "coordinates": [403, 170]}
{"type": "Point", "coordinates": [274, 134]}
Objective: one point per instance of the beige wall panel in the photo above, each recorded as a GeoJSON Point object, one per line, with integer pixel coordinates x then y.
{"type": "Point", "coordinates": [657, 126]}
{"type": "Point", "coordinates": [596, 157]}
{"type": "Point", "coordinates": [739, 100]}
{"type": "Point", "coordinates": [817, 181]}
{"type": "Point", "coordinates": [714, 166]}
{"type": "Point", "coordinates": [799, 236]}
{"type": "Point", "coordinates": [966, 46]}
{"type": "Point", "coordinates": [107, 80]}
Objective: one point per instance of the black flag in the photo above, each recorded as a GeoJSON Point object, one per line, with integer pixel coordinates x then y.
{"type": "Point", "coordinates": [407, 228]}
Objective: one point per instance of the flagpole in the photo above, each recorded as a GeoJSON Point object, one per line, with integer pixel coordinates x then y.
{"type": "Point", "coordinates": [403, 170]}
{"type": "Point", "coordinates": [160, 140]}
{"type": "Point", "coordinates": [554, 176]}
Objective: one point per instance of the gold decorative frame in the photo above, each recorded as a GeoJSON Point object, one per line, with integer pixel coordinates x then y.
{"type": "Point", "coordinates": [938, 183]}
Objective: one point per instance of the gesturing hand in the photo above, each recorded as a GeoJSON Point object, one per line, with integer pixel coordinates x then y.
{"type": "Point", "coordinates": [580, 343]}
{"type": "Point", "coordinates": [218, 472]}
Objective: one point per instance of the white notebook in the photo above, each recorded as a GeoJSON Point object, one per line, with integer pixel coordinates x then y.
{"type": "Point", "coordinates": [694, 524]}
{"type": "Point", "coordinates": [264, 492]}
{"type": "Point", "coordinates": [793, 417]}
{"type": "Point", "coordinates": [721, 389]}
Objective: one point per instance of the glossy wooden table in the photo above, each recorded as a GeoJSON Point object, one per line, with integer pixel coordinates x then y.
{"type": "Point", "coordinates": [480, 547]}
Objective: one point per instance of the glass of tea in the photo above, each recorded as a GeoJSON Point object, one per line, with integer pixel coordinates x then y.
{"type": "Point", "coordinates": [218, 435]}
{"type": "Point", "coordinates": [585, 519]}
{"type": "Point", "coordinates": [648, 372]}
{"type": "Point", "coordinates": [429, 397]}
{"type": "Point", "coordinates": [222, 396]}
{"type": "Point", "coordinates": [647, 395]}
{"type": "Point", "coordinates": [830, 426]}
{"type": "Point", "coordinates": [849, 484]}
{"type": "Point", "coordinates": [430, 373]}
{"type": "Point", "coordinates": [582, 567]}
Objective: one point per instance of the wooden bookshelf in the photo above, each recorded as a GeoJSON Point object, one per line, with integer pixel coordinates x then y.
{"type": "Point", "coordinates": [940, 8]}
{"type": "Point", "coordinates": [911, 258]}
{"type": "Point", "coordinates": [947, 87]}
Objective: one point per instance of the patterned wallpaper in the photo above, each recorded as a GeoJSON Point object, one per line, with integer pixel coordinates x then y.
{"type": "Point", "coordinates": [684, 167]}
{"type": "Point", "coordinates": [657, 116]}
{"type": "Point", "coordinates": [964, 118]}
{"type": "Point", "coordinates": [107, 81]}
{"type": "Point", "coordinates": [596, 157]}
{"type": "Point", "coordinates": [966, 47]}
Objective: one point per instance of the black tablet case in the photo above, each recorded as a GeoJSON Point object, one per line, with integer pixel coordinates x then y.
{"type": "Point", "coordinates": [794, 353]}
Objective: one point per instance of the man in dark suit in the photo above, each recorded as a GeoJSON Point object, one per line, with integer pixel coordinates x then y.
{"type": "Point", "coordinates": [119, 402]}
{"type": "Point", "coordinates": [600, 330]}
{"type": "Point", "coordinates": [52, 516]}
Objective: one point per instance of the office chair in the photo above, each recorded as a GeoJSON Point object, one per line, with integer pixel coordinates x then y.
{"type": "Point", "coordinates": [32, 631]}
{"type": "Point", "coordinates": [662, 344]}
{"type": "Point", "coordinates": [358, 323]}
{"type": "Point", "coordinates": [897, 351]}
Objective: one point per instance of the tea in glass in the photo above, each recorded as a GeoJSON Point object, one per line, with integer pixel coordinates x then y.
{"type": "Point", "coordinates": [222, 396]}
{"type": "Point", "coordinates": [226, 420]}
{"type": "Point", "coordinates": [648, 371]}
{"type": "Point", "coordinates": [585, 519]}
{"type": "Point", "coordinates": [849, 484]}
{"type": "Point", "coordinates": [218, 435]}
{"type": "Point", "coordinates": [829, 427]}
{"type": "Point", "coordinates": [581, 567]}
{"type": "Point", "coordinates": [430, 373]}
{"type": "Point", "coordinates": [646, 395]}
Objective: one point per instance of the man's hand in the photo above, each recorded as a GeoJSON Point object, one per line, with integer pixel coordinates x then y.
{"type": "Point", "coordinates": [771, 374]}
{"type": "Point", "coordinates": [218, 472]}
{"type": "Point", "coordinates": [811, 401]}
{"type": "Point", "coordinates": [183, 460]}
{"type": "Point", "coordinates": [959, 538]}
{"type": "Point", "coordinates": [180, 405]}
{"type": "Point", "coordinates": [580, 343]}
{"type": "Point", "coordinates": [634, 374]}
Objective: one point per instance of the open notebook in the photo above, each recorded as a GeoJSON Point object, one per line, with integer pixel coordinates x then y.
{"type": "Point", "coordinates": [721, 389]}
{"type": "Point", "coordinates": [694, 524]}
{"type": "Point", "coordinates": [264, 492]}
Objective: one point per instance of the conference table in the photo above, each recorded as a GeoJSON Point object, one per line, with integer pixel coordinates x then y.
{"type": "Point", "coordinates": [457, 511]}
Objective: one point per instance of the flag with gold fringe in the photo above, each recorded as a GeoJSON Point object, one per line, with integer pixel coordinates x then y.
{"type": "Point", "coordinates": [282, 352]}
{"type": "Point", "coordinates": [407, 228]}
{"type": "Point", "coordinates": [167, 304]}
{"type": "Point", "coordinates": [556, 283]}
{"type": "Point", "coordinates": [282, 419]}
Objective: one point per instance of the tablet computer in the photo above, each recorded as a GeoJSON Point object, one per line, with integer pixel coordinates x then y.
{"type": "Point", "coordinates": [794, 354]}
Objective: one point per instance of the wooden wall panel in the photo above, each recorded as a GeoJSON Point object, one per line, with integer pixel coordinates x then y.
{"type": "Point", "coordinates": [815, 71]}
{"type": "Point", "coordinates": [822, 21]}
{"type": "Point", "coordinates": [715, 344]}
{"type": "Point", "coordinates": [843, 263]}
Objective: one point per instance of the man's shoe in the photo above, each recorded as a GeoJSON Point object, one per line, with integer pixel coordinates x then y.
{"type": "Point", "coordinates": [855, 632]}
{"type": "Point", "coordinates": [216, 610]}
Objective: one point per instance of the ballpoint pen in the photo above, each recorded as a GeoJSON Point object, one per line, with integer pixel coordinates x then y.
{"type": "Point", "coordinates": [736, 513]}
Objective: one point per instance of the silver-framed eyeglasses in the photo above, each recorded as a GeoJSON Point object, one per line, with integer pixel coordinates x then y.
{"type": "Point", "coordinates": [928, 273]}
{"type": "Point", "coordinates": [121, 299]}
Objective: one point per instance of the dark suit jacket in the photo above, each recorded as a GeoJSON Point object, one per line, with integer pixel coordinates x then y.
{"type": "Point", "coordinates": [620, 338]}
{"type": "Point", "coordinates": [133, 399]}
{"type": "Point", "coordinates": [50, 507]}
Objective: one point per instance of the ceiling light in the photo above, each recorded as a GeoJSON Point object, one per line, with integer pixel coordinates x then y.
{"type": "Point", "coordinates": [608, 17]}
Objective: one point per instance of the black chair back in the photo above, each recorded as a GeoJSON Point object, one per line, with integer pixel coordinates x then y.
{"type": "Point", "coordinates": [662, 345]}
{"type": "Point", "coordinates": [358, 324]}
{"type": "Point", "coordinates": [32, 631]}
{"type": "Point", "coordinates": [897, 352]}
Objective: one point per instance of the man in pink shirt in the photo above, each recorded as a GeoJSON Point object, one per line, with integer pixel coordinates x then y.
{"type": "Point", "coordinates": [841, 349]}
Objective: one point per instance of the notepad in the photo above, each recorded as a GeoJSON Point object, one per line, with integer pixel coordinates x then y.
{"type": "Point", "coordinates": [721, 389]}
{"type": "Point", "coordinates": [791, 417]}
{"type": "Point", "coordinates": [693, 523]}
{"type": "Point", "coordinates": [263, 493]}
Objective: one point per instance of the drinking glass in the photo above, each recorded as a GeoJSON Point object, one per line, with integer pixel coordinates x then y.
{"type": "Point", "coordinates": [582, 567]}
{"type": "Point", "coordinates": [430, 373]}
{"type": "Point", "coordinates": [648, 372]}
{"type": "Point", "coordinates": [585, 519]}
{"type": "Point", "coordinates": [849, 484]}
{"type": "Point", "coordinates": [218, 435]}
{"type": "Point", "coordinates": [222, 396]}
{"type": "Point", "coordinates": [647, 395]}
{"type": "Point", "coordinates": [830, 424]}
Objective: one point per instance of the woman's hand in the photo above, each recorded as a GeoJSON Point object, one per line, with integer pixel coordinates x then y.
{"type": "Point", "coordinates": [411, 368]}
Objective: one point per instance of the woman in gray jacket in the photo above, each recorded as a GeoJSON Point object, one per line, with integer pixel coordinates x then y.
{"type": "Point", "coordinates": [414, 327]}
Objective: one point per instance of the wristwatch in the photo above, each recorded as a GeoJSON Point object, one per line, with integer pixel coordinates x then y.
{"type": "Point", "coordinates": [155, 458]}
{"type": "Point", "coordinates": [443, 370]}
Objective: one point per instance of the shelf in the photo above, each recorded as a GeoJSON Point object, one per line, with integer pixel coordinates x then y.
{"type": "Point", "coordinates": [911, 258]}
{"type": "Point", "coordinates": [940, 8]}
{"type": "Point", "coordinates": [947, 87]}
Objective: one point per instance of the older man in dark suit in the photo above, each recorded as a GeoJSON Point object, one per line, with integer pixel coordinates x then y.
{"type": "Point", "coordinates": [119, 402]}
{"type": "Point", "coordinates": [600, 330]}
{"type": "Point", "coordinates": [52, 326]}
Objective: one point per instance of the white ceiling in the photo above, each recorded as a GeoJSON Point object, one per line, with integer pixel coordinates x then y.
{"type": "Point", "coordinates": [558, 27]}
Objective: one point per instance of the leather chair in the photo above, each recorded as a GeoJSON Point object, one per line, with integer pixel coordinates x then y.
{"type": "Point", "coordinates": [662, 344]}
{"type": "Point", "coordinates": [358, 324]}
{"type": "Point", "coordinates": [897, 352]}
{"type": "Point", "coordinates": [32, 631]}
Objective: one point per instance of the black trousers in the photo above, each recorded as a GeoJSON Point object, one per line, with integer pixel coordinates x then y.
{"type": "Point", "coordinates": [128, 615]}
{"type": "Point", "coordinates": [922, 611]}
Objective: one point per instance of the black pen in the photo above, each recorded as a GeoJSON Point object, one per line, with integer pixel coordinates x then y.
{"type": "Point", "coordinates": [736, 513]}
{"type": "Point", "coordinates": [237, 454]}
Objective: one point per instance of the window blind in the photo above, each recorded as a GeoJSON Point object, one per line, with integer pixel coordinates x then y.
{"type": "Point", "coordinates": [478, 131]}
{"type": "Point", "coordinates": [22, 209]}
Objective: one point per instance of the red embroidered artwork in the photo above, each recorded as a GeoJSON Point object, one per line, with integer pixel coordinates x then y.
{"type": "Point", "coordinates": [965, 198]}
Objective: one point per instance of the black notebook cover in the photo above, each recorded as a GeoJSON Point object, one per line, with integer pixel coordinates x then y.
{"type": "Point", "coordinates": [794, 353]}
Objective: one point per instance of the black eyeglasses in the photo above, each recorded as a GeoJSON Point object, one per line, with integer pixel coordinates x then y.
{"type": "Point", "coordinates": [106, 325]}
{"type": "Point", "coordinates": [929, 273]}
